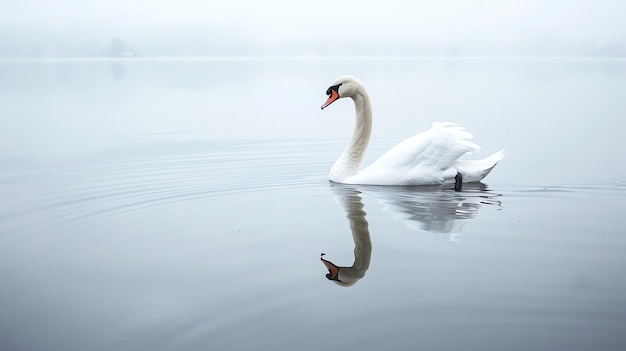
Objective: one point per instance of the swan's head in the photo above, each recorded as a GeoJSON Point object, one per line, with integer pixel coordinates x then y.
{"type": "Point", "coordinates": [335, 275]}
{"type": "Point", "coordinates": [346, 86]}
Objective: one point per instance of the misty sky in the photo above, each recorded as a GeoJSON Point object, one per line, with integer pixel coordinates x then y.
{"type": "Point", "coordinates": [322, 27]}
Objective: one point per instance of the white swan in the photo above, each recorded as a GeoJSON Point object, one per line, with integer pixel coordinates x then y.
{"type": "Point", "coordinates": [430, 157]}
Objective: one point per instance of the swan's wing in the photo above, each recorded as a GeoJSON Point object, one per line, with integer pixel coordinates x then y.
{"type": "Point", "coordinates": [436, 149]}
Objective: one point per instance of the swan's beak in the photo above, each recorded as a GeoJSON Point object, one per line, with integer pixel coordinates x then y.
{"type": "Point", "coordinates": [334, 95]}
{"type": "Point", "coordinates": [333, 271]}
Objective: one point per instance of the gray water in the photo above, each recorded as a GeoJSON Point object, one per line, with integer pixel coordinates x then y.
{"type": "Point", "coordinates": [183, 205]}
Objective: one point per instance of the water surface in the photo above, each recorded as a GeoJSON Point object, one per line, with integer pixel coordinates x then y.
{"type": "Point", "coordinates": [169, 205]}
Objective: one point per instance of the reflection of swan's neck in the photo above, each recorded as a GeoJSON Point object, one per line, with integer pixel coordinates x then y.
{"type": "Point", "coordinates": [348, 163]}
{"type": "Point", "coordinates": [361, 237]}
{"type": "Point", "coordinates": [348, 276]}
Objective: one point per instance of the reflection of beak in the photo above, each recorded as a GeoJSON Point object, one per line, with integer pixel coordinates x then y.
{"type": "Point", "coordinates": [334, 95]}
{"type": "Point", "coordinates": [333, 271]}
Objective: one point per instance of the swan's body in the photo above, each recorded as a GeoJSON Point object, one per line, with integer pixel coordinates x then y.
{"type": "Point", "coordinates": [430, 157]}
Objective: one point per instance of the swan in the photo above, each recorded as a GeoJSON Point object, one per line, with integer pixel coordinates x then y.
{"type": "Point", "coordinates": [428, 158]}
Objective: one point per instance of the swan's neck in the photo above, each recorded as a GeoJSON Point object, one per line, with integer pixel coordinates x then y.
{"type": "Point", "coordinates": [348, 163]}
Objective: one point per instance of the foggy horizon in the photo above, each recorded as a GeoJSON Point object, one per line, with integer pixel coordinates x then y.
{"type": "Point", "coordinates": [321, 29]}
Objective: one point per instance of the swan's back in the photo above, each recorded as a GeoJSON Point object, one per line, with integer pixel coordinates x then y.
{"type": "Point", "coordinates": [438, 147]}
{"type": "Point", "coordinates": [426, 158]}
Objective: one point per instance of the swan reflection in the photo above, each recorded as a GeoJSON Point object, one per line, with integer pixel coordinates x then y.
{"type": "Point", "coordinates": [433, 210]}
{"type": "Point", "coordinates": [420, 208]}
{"type": "Point", "coordinates": [349, 198]}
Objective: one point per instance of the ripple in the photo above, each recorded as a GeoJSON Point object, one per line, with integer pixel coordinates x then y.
{"type": "Point", "coordinates": [135, 179]}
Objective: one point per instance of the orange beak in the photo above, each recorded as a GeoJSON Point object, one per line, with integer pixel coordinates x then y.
{"type": "Point", "coordinates": [334, 95]}
{"type": "Point", "coordinates": [333, 271]}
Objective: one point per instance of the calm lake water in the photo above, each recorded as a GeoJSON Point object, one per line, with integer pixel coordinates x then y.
{"type": "Point", "coordinates": [183, 205]}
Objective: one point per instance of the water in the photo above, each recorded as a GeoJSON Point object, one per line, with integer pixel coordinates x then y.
{"type": "Point", "coordinates": [168, 205]}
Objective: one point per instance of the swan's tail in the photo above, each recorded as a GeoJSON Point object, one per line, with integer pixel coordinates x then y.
{"type": "Point", "coordinates": [476, 170]}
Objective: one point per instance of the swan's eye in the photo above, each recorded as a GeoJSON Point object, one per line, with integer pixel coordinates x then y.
{"type": "Point", "coordinates": [334, 87]}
